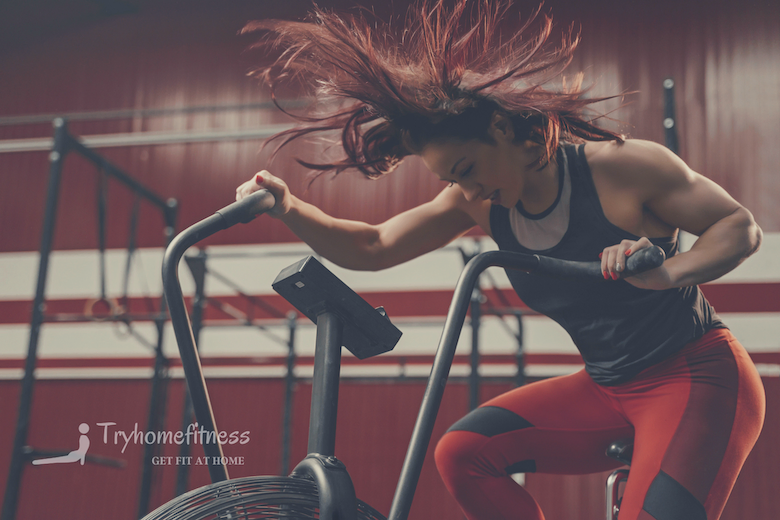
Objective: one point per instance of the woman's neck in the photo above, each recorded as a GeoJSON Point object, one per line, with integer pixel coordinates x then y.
{"type": "Point", "coordinates": [540, 188]}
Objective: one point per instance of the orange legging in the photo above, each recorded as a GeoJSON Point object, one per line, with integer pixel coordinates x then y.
{"type": "Point", "coordinates": [694, 418]}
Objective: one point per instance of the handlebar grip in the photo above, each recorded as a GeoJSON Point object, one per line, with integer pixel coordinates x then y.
{"type": "Point", "coordinates": [247, 208]}
{"type": "Point", "coordinates": [644, 260]}
{"type": "Point", "coordinates": [641, 261]}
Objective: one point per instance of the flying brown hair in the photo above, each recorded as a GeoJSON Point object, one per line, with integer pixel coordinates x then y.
{"type": "Point", "coordinates": [442, 77]}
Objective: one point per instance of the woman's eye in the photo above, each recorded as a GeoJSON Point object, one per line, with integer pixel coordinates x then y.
{"type": "Point", "coordinates": [452, 183]}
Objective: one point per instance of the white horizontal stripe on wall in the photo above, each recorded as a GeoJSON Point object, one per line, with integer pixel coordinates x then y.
{"type": "Point", "coordinates": [75, 274]}
{"type": "Point", "coordinates": [758, 332]}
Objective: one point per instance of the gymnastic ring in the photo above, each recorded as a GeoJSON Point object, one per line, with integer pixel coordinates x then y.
{"type": "Point", "coordinates": [114, 309]}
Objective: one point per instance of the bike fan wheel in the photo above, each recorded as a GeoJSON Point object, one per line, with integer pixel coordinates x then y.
{"type": "Point", "coordinates": [251, 498]}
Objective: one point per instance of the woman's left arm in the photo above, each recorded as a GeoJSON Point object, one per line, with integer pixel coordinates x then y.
{"type": "Point", "coordinates": [684, 199]}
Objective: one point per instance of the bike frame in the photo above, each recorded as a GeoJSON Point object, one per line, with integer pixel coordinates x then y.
{"type": "Point", "coordinates": [410, 472]}
{"type": "Point", "coordinates": [259, 202]}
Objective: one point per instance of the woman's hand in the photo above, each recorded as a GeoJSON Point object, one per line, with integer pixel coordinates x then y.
{"type": "Point", "coordinates": [277, 187]}
{"type": "Point", "coordinates": [613, 263]}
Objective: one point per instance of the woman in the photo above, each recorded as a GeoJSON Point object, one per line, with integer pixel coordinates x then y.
{"type": "Point", "coordinates": [660, 365]}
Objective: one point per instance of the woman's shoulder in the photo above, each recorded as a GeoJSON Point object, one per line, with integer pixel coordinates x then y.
{"type": "Point", "coordinates": [629, 153]}
{"type": "Point", "coordinates": [633, 162]}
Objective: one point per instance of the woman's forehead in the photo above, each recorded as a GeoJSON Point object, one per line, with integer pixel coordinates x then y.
{"type": "Point", "coordinates": [443, 157]}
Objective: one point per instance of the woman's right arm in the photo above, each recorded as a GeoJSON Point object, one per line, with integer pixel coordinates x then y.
{"type": "Point", "coordinates": [361, 246]}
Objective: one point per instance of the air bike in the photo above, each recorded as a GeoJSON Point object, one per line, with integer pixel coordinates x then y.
{"type": "Point", "coordinates": [319, 486]}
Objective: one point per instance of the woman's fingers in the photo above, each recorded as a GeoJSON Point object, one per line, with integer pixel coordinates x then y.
{"type": "Point", "coordinates": [252, 185]}
{"type": "Point", "coordinates": [610, 262]}
{"type": "Point", "coordinates": [264, 180]}
{"type": "Point", "coordinates": [613, 258]}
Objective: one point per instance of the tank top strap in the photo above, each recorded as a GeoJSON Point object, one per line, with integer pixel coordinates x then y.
{"type": "Point", "coordinates": [585, 205]}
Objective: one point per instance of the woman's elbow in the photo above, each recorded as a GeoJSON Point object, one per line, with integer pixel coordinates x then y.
{"type": "Point", "coordinates": [751, 231]}
{"type": "Point", "coordinates": [357, 262]}
{"type": "Point", "coordinates": [366, 258]}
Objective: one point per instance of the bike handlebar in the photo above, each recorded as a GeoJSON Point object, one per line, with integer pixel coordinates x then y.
{"type": "Point", "coordinates": [248, 208]}
{"type": "Point", "coordinates": [241, 211]}
{"type": "Point", "coordinates": [641, 261]}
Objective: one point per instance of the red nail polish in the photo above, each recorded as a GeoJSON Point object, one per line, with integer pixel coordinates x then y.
{"type": "Point", "coordinates": [258, 178]}
{"type": "Point", "coordinates": [601, 254]}
{"type": "Point", "coordinates": [606, 276]}
{"type": "Point", "coordinates": [614, 276]}
{"type": "Point", "coordinates": [628, 252]}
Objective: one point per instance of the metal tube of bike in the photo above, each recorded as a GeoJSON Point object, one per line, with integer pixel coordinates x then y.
{"type": "Point", "coordinates": [242, 211]}
{"type": "Point", "coordinates": [325, 385]}
{"type": "Point", "coordinates": [410, 472]}
{"type": "Point", "coordinates": [423, 429]}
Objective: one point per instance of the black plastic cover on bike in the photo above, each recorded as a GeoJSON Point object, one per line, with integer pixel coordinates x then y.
{"type": "Point", "coordinates": [312, 289]}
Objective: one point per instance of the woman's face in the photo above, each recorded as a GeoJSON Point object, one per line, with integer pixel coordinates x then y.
{"type": "Point", "coordinates": [499, 172]}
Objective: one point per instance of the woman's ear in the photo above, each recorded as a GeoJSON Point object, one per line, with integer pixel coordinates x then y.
{"type": "Point", "coordinates": [501, 127]}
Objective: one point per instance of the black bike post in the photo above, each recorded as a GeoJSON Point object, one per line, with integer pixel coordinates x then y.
{"type": "Point", "coordinates": [182, 328]}
{"type": "Point", "coordinates": [325, 385]}
{"type": "Point", "coordinates": [476, 320]}
{"type": "Point", "coordinates": [434, 391]}
{"type": "Point", "coordinates": [242, 211]}
{"type": "Point", "coordinates": [289, 386]}
{"type": "Point", "coordinates": [520, 356]}
{"type": "Point", "coordinates": [343, 319]}
{"type": "Point", "coordinates": [18, 458]}
{"type": "Point", "coordinates": [197, 265]}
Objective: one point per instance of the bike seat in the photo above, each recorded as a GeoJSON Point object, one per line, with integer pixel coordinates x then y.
{"type": "Point", "coordinates": [621, 450]}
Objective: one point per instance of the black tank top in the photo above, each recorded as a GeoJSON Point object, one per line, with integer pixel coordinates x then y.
{"type": "Point", "coordinates": [619, 329]}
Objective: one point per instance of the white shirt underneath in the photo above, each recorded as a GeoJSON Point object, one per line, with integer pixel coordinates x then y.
{"type": "Point", "coordinates": [544, 233]}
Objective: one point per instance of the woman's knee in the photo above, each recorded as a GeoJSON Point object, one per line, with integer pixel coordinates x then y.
{"type": "Point", "coordinates": [456, 451]}
{"type": "Point", "coordinates": [471, 443]}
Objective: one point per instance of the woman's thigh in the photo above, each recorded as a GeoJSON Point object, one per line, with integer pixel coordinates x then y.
{"type": "Point", "coordinates": [560, 425]}
{"type": "Point", "coordinates": [696, 416]}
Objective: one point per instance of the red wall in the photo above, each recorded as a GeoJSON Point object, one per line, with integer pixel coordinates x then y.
{"type": "Point", "coordinates": [723, 56]}
{"type": "Point", "coordinates": [375, 423]}
{"type": "Point", "coordinates": [64, 56]}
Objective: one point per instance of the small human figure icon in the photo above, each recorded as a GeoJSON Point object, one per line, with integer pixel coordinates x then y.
{"type": "Point", "coordinates": [78, 455]}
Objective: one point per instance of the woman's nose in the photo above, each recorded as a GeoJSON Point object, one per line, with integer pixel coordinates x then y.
{"type": "Point", "coordinates": [471, 191]}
